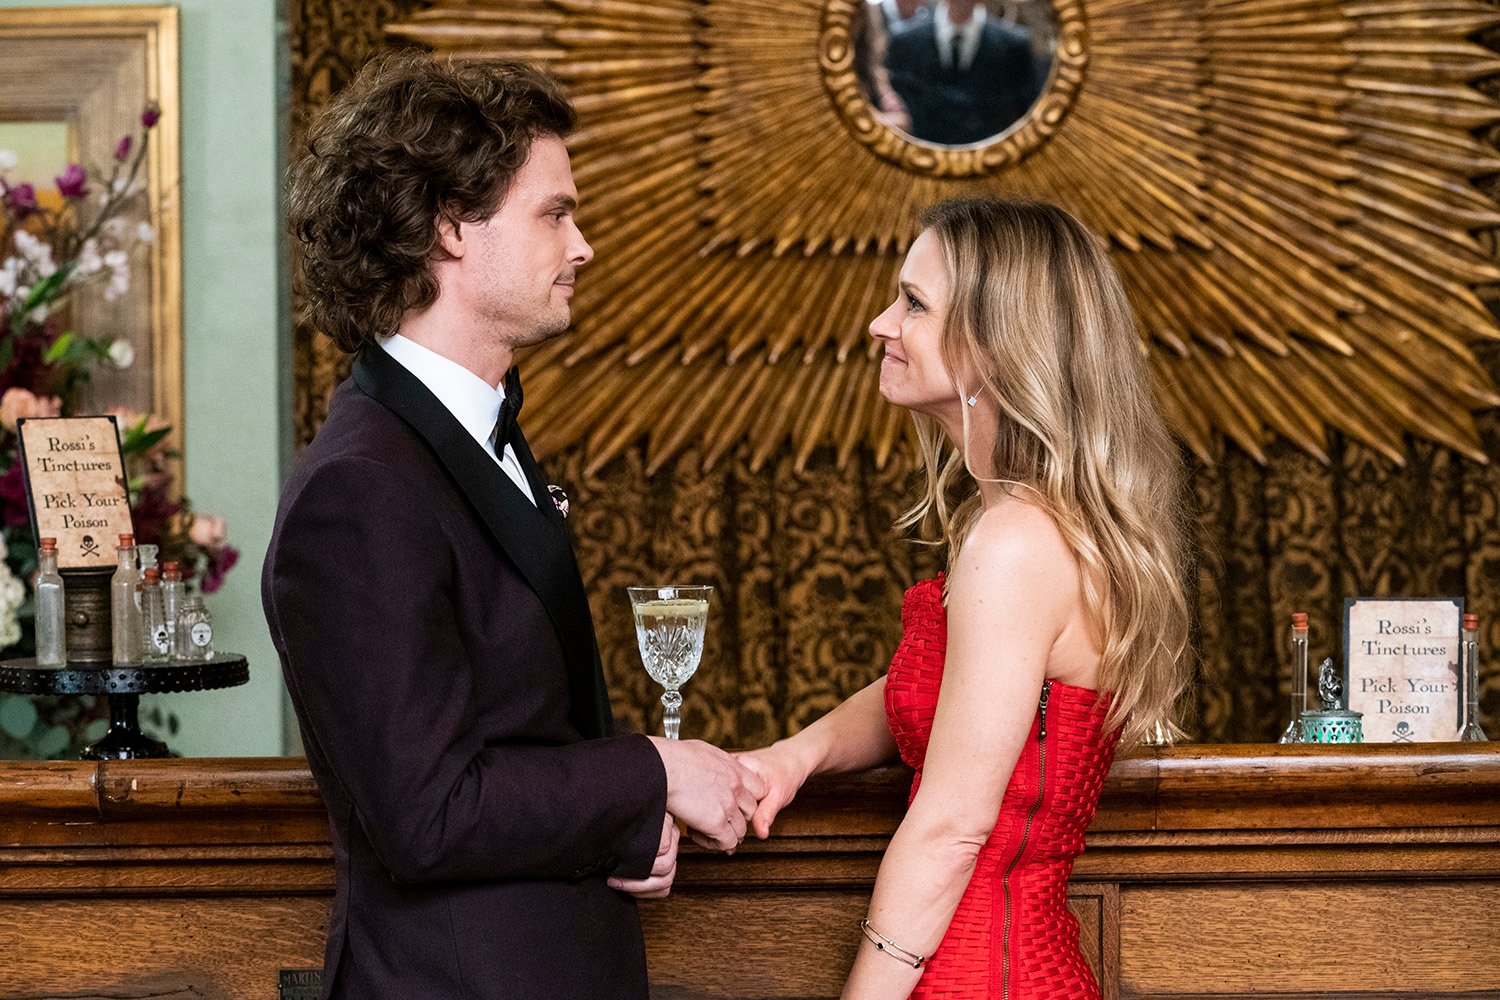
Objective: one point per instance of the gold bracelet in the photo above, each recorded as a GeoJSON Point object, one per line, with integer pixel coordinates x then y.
{"type": "Point", "coordinates": [889, 947]}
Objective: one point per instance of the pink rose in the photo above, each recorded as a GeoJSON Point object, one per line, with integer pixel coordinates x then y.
{"type": "Point", "coordinates": [208, 531]}
{"type": "Point", "coordinates": [18, 403]}
{"type": "Point", "coordinates": [150, 114]}
{"type": "Point", "coordinates": [122, 148]}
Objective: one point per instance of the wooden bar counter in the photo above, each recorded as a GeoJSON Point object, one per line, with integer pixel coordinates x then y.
{"type": "Point", "coordinates": [1212, 871]}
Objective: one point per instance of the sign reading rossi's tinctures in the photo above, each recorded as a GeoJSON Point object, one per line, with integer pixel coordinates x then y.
{"type": "Point", "coordinates": [75, 480]}
{"type": "Point", "coordinates": [1401, 667]}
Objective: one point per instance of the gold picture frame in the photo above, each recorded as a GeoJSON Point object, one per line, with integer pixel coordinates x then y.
{"type": "Point", "coordinates": [95, 68]}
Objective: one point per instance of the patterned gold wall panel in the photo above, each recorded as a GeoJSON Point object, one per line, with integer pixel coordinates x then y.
{"type": "Point", "coordinates": [796, 532]}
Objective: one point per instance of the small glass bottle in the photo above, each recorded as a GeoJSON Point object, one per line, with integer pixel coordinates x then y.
{"type": "Point", "coordinates": [153, 616]}
{"type": "Point", "coordinates": [1293, 732]}
{"type": "Point", "coordinates": [172, 594]}
{"type": "Point", "coordinates": [51, 620]}
{"type": "Point", "coordinates": [1470, 730]}
{"type": "Point", "coordinates": [125, 613]}
{"type": "Point", "coordinates": [195, 631]}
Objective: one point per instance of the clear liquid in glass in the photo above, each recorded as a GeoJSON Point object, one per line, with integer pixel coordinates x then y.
{"type": "Point", "coordinates": [670, 623]}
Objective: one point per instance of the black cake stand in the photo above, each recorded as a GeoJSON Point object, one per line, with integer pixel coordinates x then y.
{"type": "Point", "coordinates": [124, 685]}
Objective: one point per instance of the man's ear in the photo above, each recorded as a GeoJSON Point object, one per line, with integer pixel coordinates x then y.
{"type": "Point", "coordinates": [450, 235]}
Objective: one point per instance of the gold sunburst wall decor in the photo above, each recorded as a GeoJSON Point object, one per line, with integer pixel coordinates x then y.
{"type": "Point", "coordinates": [1287, 186]}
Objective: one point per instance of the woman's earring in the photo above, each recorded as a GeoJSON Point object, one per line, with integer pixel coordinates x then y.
{"type": "Point", "coordinates": [974, 399]}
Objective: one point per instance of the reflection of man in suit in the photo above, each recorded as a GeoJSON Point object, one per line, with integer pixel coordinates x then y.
{"type": "Point", "coordinates": [490, 832]}
{"type": "Point", "coordinates": [963, 75]}
{"type": "Point", "coordinates": [870, 33]}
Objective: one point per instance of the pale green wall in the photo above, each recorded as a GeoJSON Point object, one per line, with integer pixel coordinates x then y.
{"type": "Point", "coordinates": [235, 317]}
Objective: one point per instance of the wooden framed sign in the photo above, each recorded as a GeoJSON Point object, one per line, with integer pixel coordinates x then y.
{"type": "Point", "coordinates": [1401, 667]}
{"type": "Point", "coordinates": [75, 481]}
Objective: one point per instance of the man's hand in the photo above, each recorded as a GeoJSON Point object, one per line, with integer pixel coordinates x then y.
{"type": "Point", "coordinates": [710, 791]}
{"type": "Point", "coordinates": [659, 883]}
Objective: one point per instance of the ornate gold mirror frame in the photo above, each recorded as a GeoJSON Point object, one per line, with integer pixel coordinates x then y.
{"type": "Point", "coordinates": [837, 56]}
{"type": "Point", "coordinates": [1287, 186]}
{"type": "Point", "coordinates": [94, 68]}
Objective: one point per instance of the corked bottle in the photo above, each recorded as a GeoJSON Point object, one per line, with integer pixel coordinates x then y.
{"type": "Point", "coordinates": [1469, 730]}
{"type": "Point", "coordinates": [51, 619]}
{"type": "Point", "coordinates": [125, 613]}
{"type": "Point", "coordinates": [153, 616]}
{"type": "Point", "coordinates": [1293, 731]}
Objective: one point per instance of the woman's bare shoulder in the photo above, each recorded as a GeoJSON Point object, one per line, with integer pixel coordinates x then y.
{"type": "Point", "coordinates": [1016, 534]}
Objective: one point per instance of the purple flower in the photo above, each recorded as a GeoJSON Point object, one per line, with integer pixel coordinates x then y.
{"type": "Point", "coordinates": [73, 182]}
{"type": "Point", "coordinates": [17, 509]}
{"type": "Point", "coordinates": [122, 148]}
{"type": "Point", "coordinates": [151, 114]}
{"type": "Point", "coordinates": [223, 561]}
{"type": "Point", "coordinates": [21, 200]}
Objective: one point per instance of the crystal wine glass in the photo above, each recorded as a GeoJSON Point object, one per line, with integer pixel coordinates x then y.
{"type": "Point", "coordinates": [669, 627]}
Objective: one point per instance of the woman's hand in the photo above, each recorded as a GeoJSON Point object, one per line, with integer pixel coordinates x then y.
{"type": "Point", "coordinates": [783, 771]}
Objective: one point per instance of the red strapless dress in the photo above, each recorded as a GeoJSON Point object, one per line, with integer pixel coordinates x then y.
{"type": "Point", "coordinates": [1012, 937]}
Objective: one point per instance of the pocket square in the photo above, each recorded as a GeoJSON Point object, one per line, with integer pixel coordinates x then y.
{"type": "Point", "coordinates": [559, 498]}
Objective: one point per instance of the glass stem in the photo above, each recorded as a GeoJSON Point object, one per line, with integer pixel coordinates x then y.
{"type": "Point", "coordinates": [671, 701]}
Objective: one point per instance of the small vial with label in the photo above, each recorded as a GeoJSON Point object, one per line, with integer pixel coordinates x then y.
{"type": "Point", "coordinates": [172, 595]}
{"type": "Point", "coordinates": [195, 631]}
{"type": "Point", "coordinates": [51, 620]}
{"type": "Point", "coordinates": [153, 616]}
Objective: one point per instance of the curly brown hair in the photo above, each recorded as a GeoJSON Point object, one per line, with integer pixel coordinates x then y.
{"type": "Point", "coordinates": [410, 141]}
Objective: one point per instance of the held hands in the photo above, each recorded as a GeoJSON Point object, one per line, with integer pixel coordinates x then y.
{"type": "Point", "coordinates": [710, 791]}
{"type": "Point", "coordinates": [782, 774]}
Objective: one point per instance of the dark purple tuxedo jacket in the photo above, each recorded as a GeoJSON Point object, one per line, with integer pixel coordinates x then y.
{"type": "Point", "coordinates": [436, 639]}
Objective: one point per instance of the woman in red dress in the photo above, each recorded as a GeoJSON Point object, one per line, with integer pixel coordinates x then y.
{"type": "Point", "coordinates": [1057, 631]}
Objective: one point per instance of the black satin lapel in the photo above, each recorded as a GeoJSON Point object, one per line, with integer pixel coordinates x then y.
{"type": "Point", "coordinates": [540, 552]}
{"type": "Point", "coordinates": [537, 477]}
{"type": "Point", "coordinates": [589, 688]}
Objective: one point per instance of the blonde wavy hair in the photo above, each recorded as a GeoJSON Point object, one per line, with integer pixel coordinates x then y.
{"type": "Point", "coordinates": [1038, 313]}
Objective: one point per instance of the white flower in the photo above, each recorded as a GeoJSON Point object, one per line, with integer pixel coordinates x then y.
{"type": "Point", "coordinates": [8, 160]}
{"type": "Point", "coordinates": [113, 228]}
{"type": "Point", "coordinates": [145, 233]}
{"type": "Point", "coordinates": [117, 260]}
{"type": "Point", "coordinates": [10, 280]}
{"type": "Point", "coordinates": [119, 284]}
{"type": "Point", "coordinates": [12, 594]}
{"type": "Point", "coordinates": [89, 261]}
{"type": "Point", "coordinates": [36, 253]}
{"type": "Point", "coordinates": [122, 353]}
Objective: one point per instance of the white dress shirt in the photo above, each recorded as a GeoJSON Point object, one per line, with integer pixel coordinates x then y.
{"type": "Point", "coordinates": [892, 12]}
{"type": "Point", "coordinates": [969, 35]}
{"type": "Point", "coordinates": [473, 402]}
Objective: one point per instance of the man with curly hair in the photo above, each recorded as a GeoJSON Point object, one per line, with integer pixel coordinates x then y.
{"type": "Point", "coordinates": [491, 833]}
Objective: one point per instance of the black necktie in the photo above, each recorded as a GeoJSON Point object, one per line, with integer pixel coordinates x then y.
{"type": "Point", "coordinates": [955, 63]}
{"type": "Point", "coordinates": [510, 409]}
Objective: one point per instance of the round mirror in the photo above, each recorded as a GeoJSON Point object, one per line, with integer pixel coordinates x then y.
{"type": "Point", "coordinates": [953, 73]}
